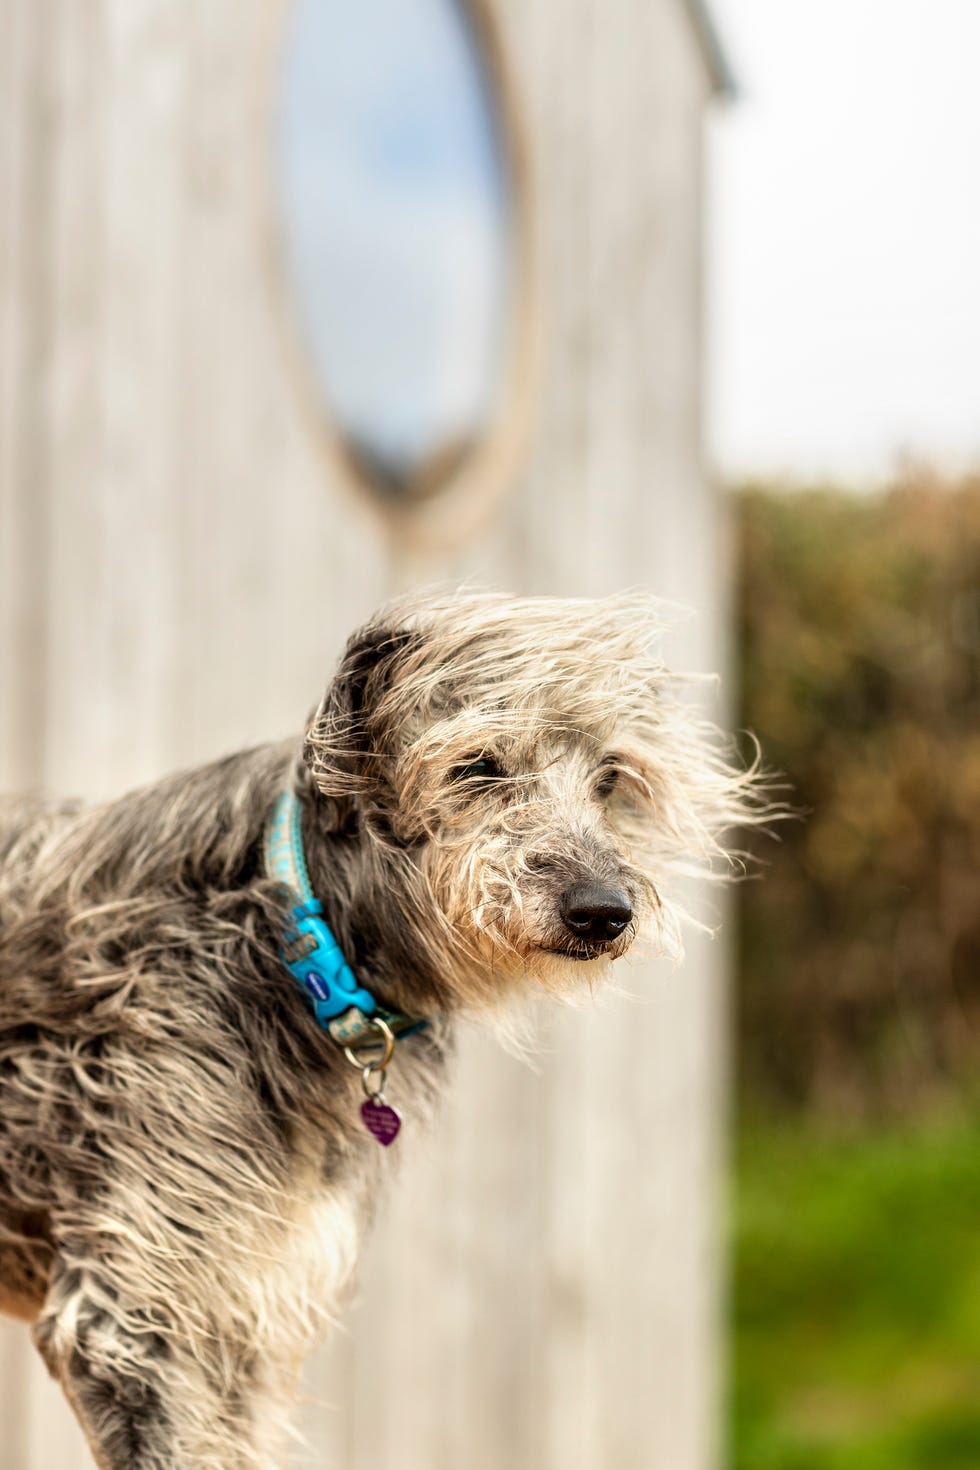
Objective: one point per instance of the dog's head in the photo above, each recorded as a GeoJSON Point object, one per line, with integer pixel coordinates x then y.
{"type": "Point", "coordinates": [526, 782]}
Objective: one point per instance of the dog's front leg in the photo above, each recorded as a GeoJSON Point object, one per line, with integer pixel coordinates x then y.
{"type": "Point", "coordinates": [143, 1400]}
{"type": "Point", "coordinates": [118, 1381]}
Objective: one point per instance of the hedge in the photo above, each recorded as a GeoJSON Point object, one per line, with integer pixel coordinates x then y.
{"type": "Point", "coordinates": [859, 949]}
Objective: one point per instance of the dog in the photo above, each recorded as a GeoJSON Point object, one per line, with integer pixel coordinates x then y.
{"type": "Point", "coordinates": [202, 986]}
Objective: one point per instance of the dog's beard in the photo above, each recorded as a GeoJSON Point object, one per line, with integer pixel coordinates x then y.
{"type": "Point", "coordinates": [568, 947]}
{"type": "Point", "coordinates": [570, 976]}
{"type": "Point", "coordinates": [548, 959]}
{"type": "Point", "coordinates": [525, 1003]}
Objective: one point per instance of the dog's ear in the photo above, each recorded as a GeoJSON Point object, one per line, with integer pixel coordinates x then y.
{"type": "Point", "coordinates": [348, 739]}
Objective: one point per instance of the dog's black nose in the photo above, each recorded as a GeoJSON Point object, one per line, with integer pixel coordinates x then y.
{"type": "Point", "coordinates": [592, 911]}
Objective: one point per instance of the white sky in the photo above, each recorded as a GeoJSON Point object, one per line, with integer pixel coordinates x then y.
{"type": "Point", "coordinates": [844, 257]}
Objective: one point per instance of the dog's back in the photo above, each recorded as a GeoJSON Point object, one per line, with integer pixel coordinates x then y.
{"type": "Point", "coordinates": [29, 817]}
{"type": "Point", "coordinates": [26, 822]}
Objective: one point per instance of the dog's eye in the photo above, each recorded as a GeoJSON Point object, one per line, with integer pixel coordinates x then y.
{"type": "Point", "coordinates": [607, 782]}
{"type": "Point", "coordinates": [482, 769]}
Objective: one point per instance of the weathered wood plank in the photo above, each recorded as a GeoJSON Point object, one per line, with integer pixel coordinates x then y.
{"type": "Point", "coordinates": [25, 340]}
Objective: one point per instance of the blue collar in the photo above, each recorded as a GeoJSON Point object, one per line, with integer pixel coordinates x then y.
{"type": "Point", "coordinates": [310, 951]}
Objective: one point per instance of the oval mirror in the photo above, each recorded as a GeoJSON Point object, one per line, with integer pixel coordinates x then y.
{"type": "Point", "coordinates": [395, 207]}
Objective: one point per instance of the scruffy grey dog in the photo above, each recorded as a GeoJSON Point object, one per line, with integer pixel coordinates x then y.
{"type": "Point", "coordinates": [494, 796]}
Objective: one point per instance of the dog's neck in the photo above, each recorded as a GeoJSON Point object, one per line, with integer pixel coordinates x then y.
{"type": "Point", "coordinates": [346, 873]}
{"type": "Point", "coordinates": [310, 950]}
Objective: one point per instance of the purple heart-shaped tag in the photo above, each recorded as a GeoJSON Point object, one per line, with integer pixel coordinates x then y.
{"type": "Point", "coordinates": [381, 1120]}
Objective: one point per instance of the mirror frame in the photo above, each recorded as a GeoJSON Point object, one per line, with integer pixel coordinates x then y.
{"type": "Point", "coordinates": [459, 502]}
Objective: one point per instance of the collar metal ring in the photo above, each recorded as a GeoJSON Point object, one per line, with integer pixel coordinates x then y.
{"type": "Point", "coordinates": [377, 1090]}
{"type": "Point", "coordinates": [373, 1064]}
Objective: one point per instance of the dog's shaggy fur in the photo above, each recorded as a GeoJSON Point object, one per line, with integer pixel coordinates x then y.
{"type": "Point", "coordinates": [184, 1175]}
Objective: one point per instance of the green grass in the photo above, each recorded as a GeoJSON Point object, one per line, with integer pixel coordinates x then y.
{"type": "Point", "coordinates": [857, 1298]}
